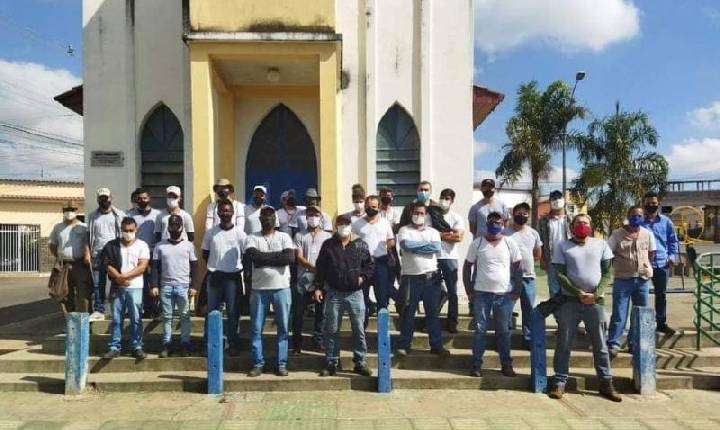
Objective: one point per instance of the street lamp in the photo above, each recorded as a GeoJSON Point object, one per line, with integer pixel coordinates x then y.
{"type": "Point", "coordinates": [579, 76]}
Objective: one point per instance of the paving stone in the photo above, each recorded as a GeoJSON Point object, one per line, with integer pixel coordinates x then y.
{"type": "Point", "coordinates": [296, 424]}
{"type": "Point", "coordinates": [431, 424]}
{"type": "Point", "coordinates": [662, 424]}
{"type": "Point", "coordinates": [623, 423]}
{"type": "Point", "coordinates": [507, 423]}
{"type": "Point", "coordinates": [350, 424]}
{"type": "Point", "coordinates": [393, 424]}
{"type": "Point", "coordinates": [238, 425]}
{"type": "Point", "coordinates": [300, 409]}
{"type": "Point", "coordinates": [700, 424]}
{"type": "Point", "coordinates": [10, 425]}
{"type": "Point", "coordinates": [584, 424]}
{"type": "Point", "coordinates": [549, 423]}
{"type": "Point", "coordinates": [469, 424]}
{"type": "Point", "coordinates": [199, 425]}
{"type": "Point", "coordinates": [42, 425]}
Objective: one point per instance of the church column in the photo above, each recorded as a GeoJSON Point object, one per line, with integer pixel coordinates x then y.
{"type": "Point", "coordinates": [330, 171]}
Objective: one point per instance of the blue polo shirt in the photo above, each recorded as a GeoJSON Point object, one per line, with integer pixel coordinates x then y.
{"type": "Point", "coordinates": [665, 239]}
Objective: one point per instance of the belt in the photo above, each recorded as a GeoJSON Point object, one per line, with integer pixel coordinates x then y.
{"type": "Point", "coordinates": [428, 275]}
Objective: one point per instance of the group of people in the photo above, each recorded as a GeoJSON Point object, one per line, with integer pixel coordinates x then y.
{"type": "Point", "coordinates": [259, 257]}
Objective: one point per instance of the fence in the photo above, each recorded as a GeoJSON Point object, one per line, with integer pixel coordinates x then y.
{"type": "Point", "coordinates": [19, 248]}
{"type": "Point", "coordinates": [707, 298]}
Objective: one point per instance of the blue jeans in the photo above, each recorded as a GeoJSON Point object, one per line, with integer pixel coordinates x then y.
{"type": "Point", "coordinates": [336, 303]}
{"type": "Point", "coordinates": [259, 302]}
{"type": "Point", "coordinates": [449, 270]}
{"type": "Point", "coordinates": [170, 297]}
{"type": "Point", "coordinates": [571, 313]}
{"type": "Point", "coordinates": [527, 303]}
{"type": "Point", "coordinates": [99, 277]}
{"type": "Point", "coordinates": [553, 286]}
{"type": "Point", "coordinates": [382, 283]}
{"type": "Point", "coordinates": [501, 306]}
{"type": "Point", "coordinates": [130, 300]}
{"type": "Point", "coordinates": [425, 288]}
{"type": "Point", "coordinates": [637, 289]}
{"type": "Point", "coordinates": [223, 287]}
{"type": "Point", "coordinates": [660, 281]}
{"type": "Point", "coordinates": [299, 300]}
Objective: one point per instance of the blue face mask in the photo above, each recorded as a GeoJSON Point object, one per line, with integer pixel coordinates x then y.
{"type": "Point", "coordinates": [423, 196]}
{"type": "Point", "coordinates": [494, 229]}
{"type": "Point", "coordinates": [636, 220]}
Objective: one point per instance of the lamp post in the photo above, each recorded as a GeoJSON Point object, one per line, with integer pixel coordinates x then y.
{"type": "Point", "coordinates": [579, 76]}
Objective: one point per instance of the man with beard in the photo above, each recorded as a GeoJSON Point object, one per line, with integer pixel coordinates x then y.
{"type": "Point", "coordinates": [477, 217]}
{"type": "Point", "coordinates": [145, 217]}
{"type": "Point", "coordinates": [174, 198]}
{"type": "Point", "coordinates": [224, 189]}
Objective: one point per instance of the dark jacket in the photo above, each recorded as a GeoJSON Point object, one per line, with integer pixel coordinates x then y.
{"type": "Point", "coordinates": [111, 256]}
{"type": "Point", "coordinates": [340, 268]}
{"type": "Point", "coordinates": [435, 212]}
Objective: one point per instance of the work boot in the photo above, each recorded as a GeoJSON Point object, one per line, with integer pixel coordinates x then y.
{"type": "Point", "coordinates": [330, 370]}
{"type": "Point", "coordinates": [556, 391]}
{"type": "Point", "coordinates": [508, 371]}
{"type": "Point", "coordinates": [666, 330]}
{"type": "Point", "coordinates": [613, 352]}
{"type": "Point", "coordinates": [452, 327]}
{"type": "Point", "coordinates": [476, 372]}
{"type": "Point", "coordinates": [186, 349]}
{"type": "Point", "coordinates": [441, 351]}
{"type": "Point", "coordinates": [255, 371]}
{"type": "Point", "coordinates": [362, 370]}
{"type": "Point", "coordinates": [165, 353]}
{"type": "Point", "coordinates": [402, 352]}
{"type": "Point", "coordinates": [281, 371]}
{"type": "Point", "coordinates": [139, 354]}
{"type": "Point", "coordinates": [113, 353]}
{"type": "Point", "coordinates": [608, 391]}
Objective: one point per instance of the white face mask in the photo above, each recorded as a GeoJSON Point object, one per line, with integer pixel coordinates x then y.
{"type": "Point", "coordinates": [557, 204]}
{"type": "Point", "coordinates": [359, 206]}
{"type": "Point", "coordinates": [128, 236]}
{"type": "Point", "coordinates": [313, 221]}
{"type": "Point", "coordinates": [418, 220]}
{"type": "Point", "coordinates": [344, 231]}
{"type": "Point", "coordinates": [445, 203]}
{"type": "Point", "coordinates": [173, 203]}
{"type": "Point", "coordinates": [69, 215]}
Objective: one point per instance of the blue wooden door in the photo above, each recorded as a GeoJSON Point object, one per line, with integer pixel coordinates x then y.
{"type": "Point", "coordinates": [281, 156]}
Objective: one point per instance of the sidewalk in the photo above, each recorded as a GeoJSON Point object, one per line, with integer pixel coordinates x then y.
{"type": "Point", "coordinates": [403, 409]}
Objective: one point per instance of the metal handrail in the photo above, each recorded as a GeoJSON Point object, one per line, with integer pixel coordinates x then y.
{"type": "Point", "coordinates": [707, 298]}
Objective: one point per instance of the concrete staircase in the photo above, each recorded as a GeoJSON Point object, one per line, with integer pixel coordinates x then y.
{"type": "Point", "coordinates": [40, 367]}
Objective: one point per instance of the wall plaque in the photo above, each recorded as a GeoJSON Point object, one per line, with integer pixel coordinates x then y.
{"type": "Point", "coordinates": [107, 159]}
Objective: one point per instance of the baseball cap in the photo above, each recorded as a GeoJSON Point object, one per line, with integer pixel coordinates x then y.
{"type": "Point", "coordinates": [103, 191]}
{"type": "Point", "coordinates": [173, 189]}
{"type": "Point", "coordinates": [261, 188]}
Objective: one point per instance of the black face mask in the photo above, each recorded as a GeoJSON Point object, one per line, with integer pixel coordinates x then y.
{"type": "Point", "coordinates": [223, 194]}
{"type": "Point", "coordinates": [312, 202]}
{"type": "Point", "coordinates": [105, 204]}
{"type": "Point", "coordinates": [143, 205]}
{"type": "Point", "coordinates": [488, 194]}
{"type": "Point", "coordinates": [521, 219]}
{"type": "Point", "coordinates": [371, 212]}
{"type": "Point", "coordinates": [651, 209]}
{"type": "Point", "coordinates": [175, 234]}
{"type": "Point", "coordinates": [258, 201]}
{"type": "Point", "coordinates": [290, 201]}
{"type": "Point", "coordinates": [267, 223]}
{"type": "Point", "coordinates": [386, 200]}
{"type": "Point", "coordinates": [226, 218]}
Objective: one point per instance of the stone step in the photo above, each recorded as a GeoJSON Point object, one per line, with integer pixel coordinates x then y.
{"type": "Point", "coordinates": [195, 381]}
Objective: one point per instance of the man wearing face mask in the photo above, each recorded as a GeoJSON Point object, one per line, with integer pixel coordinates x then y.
{"type": "Point", "coordinates": [358, 199]}
{"type": "Point", "coordinates": [477, 217]}
{"type": "Point", "coordinates": [288, 214]}
{"type": "Point", "coordinates": [421, 246]}
{"type": "Point", "coordinates": [494, 258]}
{"type": "Point", "coordinates": [252, 211]}
{"type": "Point", "coordinates": [386, 210]}
{"type": "Point", "coordinates": [222, 249]}
{"type": "Point", "coordinates": [377, 233]}
{"type": "Point", "coordinates": [424, 191]}
{"type": "Point", "coordinates": [528, 239]}
{"type": "Point", "coordinates": [665, 257]}
{"type": "Point", "coordinates": [554, 228]}
{"type": "Point", "coordinates": [103, 226]}
{"type": "Point", "coordinates": [68, 244]}
{"type": "Point", "coordinates": [343, 267]}
{"type": "Point", "coordinates": [174, 196]}
{"type": "Point", "coordinates": [145, 217]}
{"type": "Point", "coordinates": [312, 198]}
{"type": "Point", "coordinates": [270, 253]}
{"type": "Point", "coordinates": [634, 249]}
{"type": "Point", "coordinates": [224, 189]}
{"type": "Point", "coordinates": [126, 260]}
{"type": "Point", "coordinates": [583, 269]}
{"type": "Point", "coordinates": [448, 259]}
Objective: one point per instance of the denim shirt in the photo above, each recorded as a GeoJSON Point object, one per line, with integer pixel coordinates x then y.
{"type": "Point", "coordinates": [665, 239]}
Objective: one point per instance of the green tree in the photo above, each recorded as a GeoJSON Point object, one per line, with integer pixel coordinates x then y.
{"type": "Point", "coordinates": [535, 132]}
{"type": "Point", "coordinates": [618, 166]}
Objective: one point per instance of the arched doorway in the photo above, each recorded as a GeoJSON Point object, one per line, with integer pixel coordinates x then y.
{"type": "Point", "coordinates": [161, 154]}
{"type": "Point", "coordinates": [398, 154]}
{"type": "Point", "coordinates": [281, 156]}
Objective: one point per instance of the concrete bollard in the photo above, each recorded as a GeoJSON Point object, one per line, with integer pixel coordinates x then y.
{"type": "Point", "coordinates": [77, 345]}
{"type": "Point", "coordinates": [538, 358]}
{"type": "Point", "coordinates": [384, 358]}
{"type": "Point", "coordinates": [215, 352]}
{"type": "Point", "coordinates": [642, 331]}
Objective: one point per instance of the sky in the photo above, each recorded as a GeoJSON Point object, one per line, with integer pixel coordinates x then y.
{"type": "Point", "coordinates": [658, 56]}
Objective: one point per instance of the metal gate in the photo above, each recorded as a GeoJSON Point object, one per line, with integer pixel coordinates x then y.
{"type": "Point", "coordinates": [19, 248]}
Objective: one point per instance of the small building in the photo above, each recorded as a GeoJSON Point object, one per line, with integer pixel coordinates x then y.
{"type": "Point", "coordinates": [28, 211]}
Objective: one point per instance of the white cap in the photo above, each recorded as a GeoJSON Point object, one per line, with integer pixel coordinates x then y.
{"type": "Point", "coordinates": [103, 191]}
{"type": "Point", "coordinates": [173, 189]}
{"type": "Point", "coordinates": [260, 187]}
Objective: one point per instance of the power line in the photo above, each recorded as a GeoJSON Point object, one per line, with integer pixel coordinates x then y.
{"type": "Point", "coordinates": [43, 134]}
{"type": "Point", "coordinates": [67, 48]}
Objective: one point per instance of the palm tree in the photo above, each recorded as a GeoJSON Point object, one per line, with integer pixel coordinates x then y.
{"type": "Point", "coordinates": [618, 167]}
{"type": "Point", "coordinates": [536, 131]}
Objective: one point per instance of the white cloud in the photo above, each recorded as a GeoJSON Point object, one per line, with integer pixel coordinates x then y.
{"type": "Point", "coordinates": [694, 156]}
{"type": "Point", "coordinates": [26, 100]}
{"type": "Point", "coordinates": [706, 117]}
{"type": "Point", "coordinates": [481, 146]}
{"type": "Point", "coordinates": [570, 25]}
{"type": "Point", "coordinates": [553, 181]}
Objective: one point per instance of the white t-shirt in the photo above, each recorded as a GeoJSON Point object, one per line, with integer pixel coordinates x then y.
{"type": "Point", "coordinates": [310, 245]}
{"type": "Point", "coordinates": [252, 220]}
{"type": "Point", "coordinates": [484, 209]}
{"type": "Point", "coordinates": [418, 264]}
{"type": "Point", "coordinates": [448, 248]}
{"type": "Point", "coordinates": [288, 220]}
{"type": "Point", "coordinates": [325, 221]}
{"type": "Point", "coordinates": [145, 224]}
{"type": "Point", "coordinates": [375, 235]}
{"type": "Point", "coordinates": [131, 256]}
{"type": "Point", "coordinates": [558, 231]}
{"type": "Point", "coordinates": [271, 277]}
{"type": "Point", "coordinates": [493, 264]}
{"type": "Point", "coordinates": [391, 215]}
{"type": "Point", "coordinates": [161, 224]}
{"type": "Point", "coordinates": [528, 239]}
{"type": "Point", "coordinates": [70, 240]}
{"type": "Point", "coordinates": [225, 247]}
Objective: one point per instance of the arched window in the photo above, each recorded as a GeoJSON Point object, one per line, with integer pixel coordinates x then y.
{"type": "Point", "coordinates": [398, 154]}
{"type": "Point", "coordinates": [161, 154]}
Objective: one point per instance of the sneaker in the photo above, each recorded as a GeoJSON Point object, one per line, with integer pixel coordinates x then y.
{"type": "Point", "coordinates": [613, 352]}
{"type": "Point", "coordinates": [139, 354]}
{"type": "Point", "coordinates": [113, 353]}
{"type": "Point", "coordinates": [608, 391]}
{"type": "Point", "coordinates": [556, 391]}
{"type": "Point", "coordinates": [186, 350]}
{"type": "Point", "coordinates": [442, 352]}
{"type": "Point", "coordinates": [666, 330]}
{"type": "Point", "coordinates": [508, 371]}
{"type": "Point", "coordinates": [402, 352]}
{"type": "Point", "coordinates": [157, 318]}
{"type": "Point", "coordinates": [96, 316]}
{"type": "Point", "coordinates": [255, 371]}
{"type": "Point", "coordinates": [452, 328]}
{"type": "Point", "coordinates": [476, 372]}
{"type": "Point", "coordinates": [362, 371]}
{"type": "Point", "coordinates": [165, 353]}
{"type": "Point", "coordinates": [281, 371]}
{"type": "Point", "coordinates": [296, 352]}
{"type": "Point", "coordinates": [330, 370]}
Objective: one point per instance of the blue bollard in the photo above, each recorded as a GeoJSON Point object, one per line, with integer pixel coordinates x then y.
{"type": "Point", "coordinates": [538, 358]}
{"type": "Point", "coordinates": [384, 359]}
{"type": "Point", "coordinates": [215, 353]}
{"type": "Point", "coordinates": [642, 331]}
{"type": "Point", "coordinates": [77, 345]}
